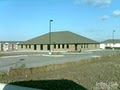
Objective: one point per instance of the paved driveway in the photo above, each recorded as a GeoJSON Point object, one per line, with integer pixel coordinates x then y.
{"type": "Point", "coordinates": [36, 59]}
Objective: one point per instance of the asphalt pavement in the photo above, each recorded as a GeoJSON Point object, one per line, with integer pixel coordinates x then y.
{"type": "Point", "coordinates": [37, 59]}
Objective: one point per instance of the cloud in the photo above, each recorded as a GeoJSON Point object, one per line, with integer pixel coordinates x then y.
{"type": "Point", "coordinates": [105, 17]}
{"type": "Point", "coordinates": [116, 13]}
{"type": "Point", "coordinates": [99, 3]}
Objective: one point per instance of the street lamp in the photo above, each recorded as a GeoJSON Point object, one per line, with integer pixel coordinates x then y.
{"type": "Point", "coordinates": [50, 35]}
{"type": "Point", "coordinates": [113, 38]}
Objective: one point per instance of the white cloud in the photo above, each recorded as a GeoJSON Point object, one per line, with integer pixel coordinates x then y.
{"type": "Point", "coordinates": [105, 17]}
{"type": "Point", "coordinates": [116, 13]}
{"type": "Point", "coordinates": [99, 3]}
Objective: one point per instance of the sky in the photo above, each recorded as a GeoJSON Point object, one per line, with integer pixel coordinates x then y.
{"type": "Point", "coordinates": [25, 19]}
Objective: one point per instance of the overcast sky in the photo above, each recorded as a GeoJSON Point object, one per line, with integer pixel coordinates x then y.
{"type": "Point", "coordinates": [26, 19]}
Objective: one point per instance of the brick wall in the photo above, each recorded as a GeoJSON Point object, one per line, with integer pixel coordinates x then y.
{"type": "Point", "coordinates": [60, 47]}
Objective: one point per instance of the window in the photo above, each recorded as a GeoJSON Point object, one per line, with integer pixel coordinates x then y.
{"type": "Point", "coordinates": [29, 46]}
{"type": "Point", "coordinates": [21, 46]}
{"type": "Point", "coordinates": [67, 46]}
{"type": "Point", "coordinates": [48, 47]}
{"type": "Point", "coordinates": [54, 45]}
{"type": "Point", "coordinates": [75, 46]}
{"type": "Point", "coordinates": [63, 46]}
{"type": "Point", "coordinates": [58, 45]}
{"type": "Point", "coordinates": [26, 46]}
{"type": "Point", "coordinates": [35, 47]}
{"type": "Point", "coordinates": [81, 46]}
{"type": "Point", "coordinates": [87, 46]}
{"type": "Point", "coordinates": [41, 47]}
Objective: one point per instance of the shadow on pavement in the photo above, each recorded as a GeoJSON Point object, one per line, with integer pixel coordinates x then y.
{"type": "Point", "coordinates": [62, 84]}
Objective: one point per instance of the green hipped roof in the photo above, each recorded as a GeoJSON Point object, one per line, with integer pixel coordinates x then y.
{"type": "Point", "coordinates": [63, 37]}
{"type": "Point", "coordinates": [111, 41]}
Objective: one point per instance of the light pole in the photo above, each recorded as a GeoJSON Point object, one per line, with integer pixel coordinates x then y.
{"type": "Point", "coordinates": [50, 35]}
{"type": "Point", "coordinates": [113, 38]}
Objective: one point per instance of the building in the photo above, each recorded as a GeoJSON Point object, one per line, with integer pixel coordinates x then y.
{"type": "Point", "coordinates": [8, 45]}
{"type": "Point", "coordinates": [60, 41]}
{"type": "Point", "coordinates": [110, 43]}
{"type": "Point", "coordinates": [0, 47]}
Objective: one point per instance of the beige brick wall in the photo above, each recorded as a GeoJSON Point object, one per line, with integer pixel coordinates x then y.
{"type": "Point", "coordinates": [72, 47]}
{"type": "Point", "coordinates": [32, 47]}
{"type": "Point", "coordinates": [38, 47]}
{"type": "Point", "coordinates": [45, 47]}
{"type": "Point", "coordinates": [63, 47]}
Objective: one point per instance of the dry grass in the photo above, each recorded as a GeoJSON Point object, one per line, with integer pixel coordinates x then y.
{"type": "Point", "coordinates": [88, 73]}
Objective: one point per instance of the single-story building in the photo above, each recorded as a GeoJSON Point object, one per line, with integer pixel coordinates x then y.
{"type": "Point", "coordinates": [59, 41]}
{"type": "Point", "coordinates": [8, 45]}
{"type": "Point", "coordinates": [110, 43]}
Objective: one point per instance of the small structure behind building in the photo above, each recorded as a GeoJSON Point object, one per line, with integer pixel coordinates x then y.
{"type": "Point", "coordinates": [9, 45]}
{"type": "Point", "coordinates": [110, 44]}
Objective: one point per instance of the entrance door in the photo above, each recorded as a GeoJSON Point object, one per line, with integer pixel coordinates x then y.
{"type": "Point", "coordinates": [48, 47]}
{"type": "Point", "coordinates": [76, 47]}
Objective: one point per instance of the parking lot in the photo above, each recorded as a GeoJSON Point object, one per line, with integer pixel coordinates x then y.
{"type": "Point", "coordinates": [36, 59]}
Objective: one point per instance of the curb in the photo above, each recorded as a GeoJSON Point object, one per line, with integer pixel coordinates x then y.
{"type": "Point", "coordinates": [20, 56]}
{"type": "Point", "coordinates": [13, 56]}
{"type": "Point", "coordinates": [52, 55]}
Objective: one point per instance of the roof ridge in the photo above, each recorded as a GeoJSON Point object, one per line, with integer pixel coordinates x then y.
{"type": "Point", "coordinates": [60, 31]}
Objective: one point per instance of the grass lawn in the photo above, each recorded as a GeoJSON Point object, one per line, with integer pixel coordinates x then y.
{"type": "Point", "coordinates": [102, 73]}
